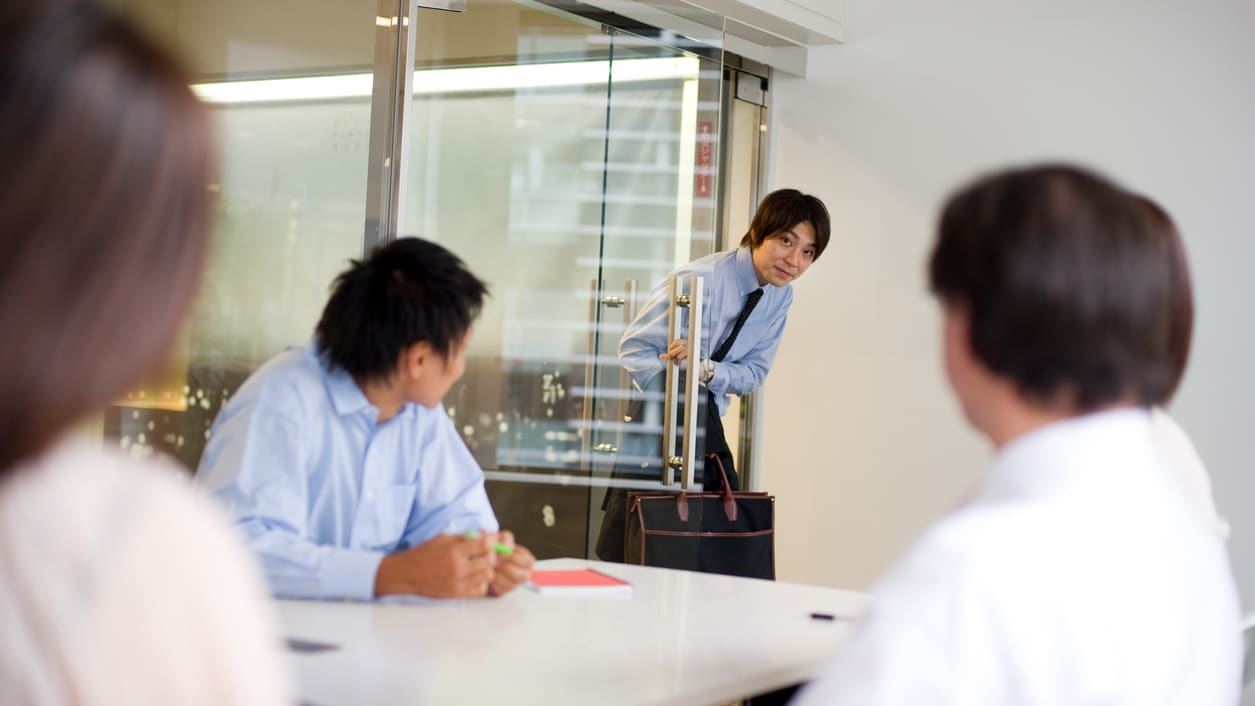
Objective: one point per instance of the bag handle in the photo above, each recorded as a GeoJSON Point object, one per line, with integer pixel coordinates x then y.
{"type": "Point", "coordinates": [729, 502]}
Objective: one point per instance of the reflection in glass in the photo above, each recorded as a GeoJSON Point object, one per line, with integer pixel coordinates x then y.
{"type": "Point", "coordinates": [529, 184]}
{"type": "Point", "coordinates": [291, 193]}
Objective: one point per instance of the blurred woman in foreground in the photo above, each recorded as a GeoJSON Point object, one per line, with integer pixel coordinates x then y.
{"type": "Point", "coordinates": [117, 583]}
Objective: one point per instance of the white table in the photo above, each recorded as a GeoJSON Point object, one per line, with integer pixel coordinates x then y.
{"type": "Point", "coordinates": [681, 638]}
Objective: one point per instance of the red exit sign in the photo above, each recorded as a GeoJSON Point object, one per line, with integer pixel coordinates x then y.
{"type": "Point", "coordinates": [705, 157]}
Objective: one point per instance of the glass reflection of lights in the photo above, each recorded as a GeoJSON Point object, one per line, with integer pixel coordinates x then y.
{"type": "Point", "coordinates": [451, 80]}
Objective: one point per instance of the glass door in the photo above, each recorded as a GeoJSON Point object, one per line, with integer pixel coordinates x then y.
{"type": "Point", "coordinates": [661, 211]}
{"type": "Point", "coordinates": [564, 160]}
{"type": "Point", "coordinates": [506, 137]}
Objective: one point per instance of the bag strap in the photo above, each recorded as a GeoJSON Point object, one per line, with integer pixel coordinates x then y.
{"type": "Point", "coordinates": [729, 502]}
{"type": "Point", "coordinates": [682, 506]}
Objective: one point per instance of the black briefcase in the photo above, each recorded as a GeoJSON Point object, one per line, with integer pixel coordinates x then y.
{"type": "Point", "coordinates": [723, 532]}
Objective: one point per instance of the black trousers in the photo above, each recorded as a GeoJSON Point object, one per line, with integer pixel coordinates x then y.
{"type": "Point", "coordinates": [717, 443]}
{"type": "Point", "coordinates": [610, 539]}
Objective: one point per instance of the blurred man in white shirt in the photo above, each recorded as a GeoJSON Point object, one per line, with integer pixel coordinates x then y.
{"type": "Point", "coordinates": [1078, 573]}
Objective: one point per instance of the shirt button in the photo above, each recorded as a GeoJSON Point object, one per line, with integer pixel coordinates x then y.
{"type": "Point", "coordinates": [370, 495]}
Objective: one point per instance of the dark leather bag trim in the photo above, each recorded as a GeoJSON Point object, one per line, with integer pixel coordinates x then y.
{"type": "Point", "coordinates": [669, 533]}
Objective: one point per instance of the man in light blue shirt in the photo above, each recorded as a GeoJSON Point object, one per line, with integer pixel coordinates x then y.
{"type": "Point", "coordinates": [338, 461]}
{"type": "Point", "coordinates": [746, 294]}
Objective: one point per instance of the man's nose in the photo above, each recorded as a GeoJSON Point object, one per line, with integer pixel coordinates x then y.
{"type": "Point", "coordinates": [794, 257]}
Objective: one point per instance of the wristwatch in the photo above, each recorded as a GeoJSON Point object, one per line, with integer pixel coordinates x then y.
{"type": "Point", "coordinates": [707, 371]}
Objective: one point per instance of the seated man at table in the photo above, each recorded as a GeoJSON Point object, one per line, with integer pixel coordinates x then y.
{"type": "Point", "coordinates": [1078, 572]}
{"type": "Point", "coordinates": [337, 460]}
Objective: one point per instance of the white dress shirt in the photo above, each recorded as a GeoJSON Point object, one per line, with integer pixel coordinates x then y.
{"type": "Point", "coordinates": [1179, 453]}
{"type": "Point", "coordinates": [121, 585]}
{"type": "Point", "coordinates": [1077, 575]}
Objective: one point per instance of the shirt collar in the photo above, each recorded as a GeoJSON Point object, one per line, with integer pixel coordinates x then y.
{"type": "Point", "coordinates": [346, 396]}
{"type": "Point", "coordinates": [1081, 449]}
{"type": "Point", "coordinates": [746, 277]}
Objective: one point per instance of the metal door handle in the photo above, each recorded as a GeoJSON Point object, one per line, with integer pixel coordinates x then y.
{"type": "Point", "coordinates": [689, 441]}
{"type": "Point", "coordinates": [625, 380]}
{"type": "Point", "coordinates": [669, 398]}
{"type": "Point", "coordinates": [685, 462]}
{"type": "Point", "coordinates": [586, 431]}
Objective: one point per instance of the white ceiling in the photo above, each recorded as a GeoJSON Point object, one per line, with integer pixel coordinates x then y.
{"type": "Point", "coordinates": [774, 32]}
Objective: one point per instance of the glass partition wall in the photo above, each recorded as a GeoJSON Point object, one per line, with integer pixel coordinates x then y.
{"type": "Point", "coordinates": [293, 117]}
{"type": "Point", "coordinates": [571, 160]}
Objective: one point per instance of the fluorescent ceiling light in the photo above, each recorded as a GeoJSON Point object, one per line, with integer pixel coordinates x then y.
{"type": "Point", "coordinates": [282, 90]}
{"type": "Point", "coordinates": [458, 80]}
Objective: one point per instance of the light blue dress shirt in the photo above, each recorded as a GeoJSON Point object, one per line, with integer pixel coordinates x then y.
{"type": "Point", "coordinates": [729, 278]}
{"type": "Point", "coordinates": [322, 491]}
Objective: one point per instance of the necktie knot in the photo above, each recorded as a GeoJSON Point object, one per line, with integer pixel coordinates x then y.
{"type": "Point", "coordinates": [751, 301]}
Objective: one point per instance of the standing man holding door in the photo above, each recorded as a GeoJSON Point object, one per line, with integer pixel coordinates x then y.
{"type": "Point", "coordinates": [744, 319]}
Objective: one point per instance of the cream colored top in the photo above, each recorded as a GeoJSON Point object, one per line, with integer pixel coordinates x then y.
{"type": "Point", "coordinates": [120, 585]}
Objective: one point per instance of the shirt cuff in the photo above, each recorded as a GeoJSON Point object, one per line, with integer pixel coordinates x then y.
{"type": "Point", "coordinates": [351, 574]}
{"type": "Point", "coordinates": [718, 382]}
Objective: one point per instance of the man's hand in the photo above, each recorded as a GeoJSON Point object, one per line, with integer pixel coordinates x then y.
{"type": "Point", "coordinates": [677, 351]}
{"type": "Point", "coordinates": [449, 566]}
{"type": "Point", "coordinates": [511, 570]}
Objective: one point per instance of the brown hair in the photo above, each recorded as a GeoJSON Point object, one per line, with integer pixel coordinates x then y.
{"type": "Point", "coordinates": [783, 209]}
{"type": "Point", "coordinates": [1180, 327]}
{"type": "Point", "coordinates": [104, 214]}
{"type": "Point", "coordinates": [1067, 291]}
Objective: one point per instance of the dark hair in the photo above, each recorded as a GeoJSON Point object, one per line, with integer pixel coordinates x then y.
{"type": "Point", "coordinates": [104, 214]}
{"type": "Point", "coordinates": [1172, 249]}
{"type": "Point", "coordinates": [782, 210]}
{"type": "Point", "coordinates": [404, 292]}
{"type": "Point", "coordinates": [1066, 291]}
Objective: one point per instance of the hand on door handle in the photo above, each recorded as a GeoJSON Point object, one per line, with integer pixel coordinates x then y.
{"type": "Point", "coordinates": [677, 351]}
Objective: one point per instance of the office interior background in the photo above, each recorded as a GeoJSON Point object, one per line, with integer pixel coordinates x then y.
{"type": "Point", "coordinates": [563, 180]}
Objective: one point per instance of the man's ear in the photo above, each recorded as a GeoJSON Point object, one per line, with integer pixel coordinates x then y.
{"type": "Point", "coordinates": [956, 344]}
{"type": "Point", "coordinates": [416, 359]}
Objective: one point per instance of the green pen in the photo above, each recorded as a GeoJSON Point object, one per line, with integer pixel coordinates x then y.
{"type": "Point", "coordinates": [500, 548]}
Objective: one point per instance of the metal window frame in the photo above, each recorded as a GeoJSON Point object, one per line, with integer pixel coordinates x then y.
{"type": "Point", "coordinates": [391, 95]}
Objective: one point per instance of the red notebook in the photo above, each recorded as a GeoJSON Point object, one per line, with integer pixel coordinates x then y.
{"type": "Point", "coordinates": [573, 581]}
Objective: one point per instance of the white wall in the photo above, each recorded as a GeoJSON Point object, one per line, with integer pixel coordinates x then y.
{"type": "Point", "coordinates": [862, 443]}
